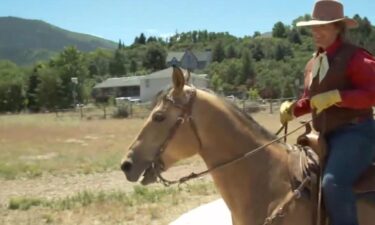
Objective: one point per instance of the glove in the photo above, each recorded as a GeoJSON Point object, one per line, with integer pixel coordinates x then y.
{"type": "Point", "coordinates": [324, 100]}
{"type": "Point", "coordinates": [286, 112]}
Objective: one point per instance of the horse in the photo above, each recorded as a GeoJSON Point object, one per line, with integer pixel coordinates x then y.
{"type": "Point", "coordinates": [187, 121]}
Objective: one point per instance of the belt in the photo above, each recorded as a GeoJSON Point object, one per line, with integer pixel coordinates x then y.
{"type": "Point", "coordinates": [360, 119]}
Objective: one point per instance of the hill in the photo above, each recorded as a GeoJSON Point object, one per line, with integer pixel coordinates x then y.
{"type": "Point", "coordinates": [25, 41]}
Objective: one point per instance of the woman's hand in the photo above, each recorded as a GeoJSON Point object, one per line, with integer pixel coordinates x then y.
{"type": "Point", "coordinates": [324, 100]}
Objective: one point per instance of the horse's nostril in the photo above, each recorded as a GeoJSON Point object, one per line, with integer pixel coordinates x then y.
{"type": "Point", "coordinates": [126, 166]}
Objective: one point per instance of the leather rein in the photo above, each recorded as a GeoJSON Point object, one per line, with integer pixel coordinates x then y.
{"type": "Point", "coordinates": [186, 115]}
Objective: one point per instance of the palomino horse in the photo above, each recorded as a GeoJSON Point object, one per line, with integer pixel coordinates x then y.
{"type": "Point", "coordinates": [186, 121]}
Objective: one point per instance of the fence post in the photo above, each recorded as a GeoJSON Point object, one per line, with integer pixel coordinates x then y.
{"type": "Point", "coordinates": [271, 109]}
{"type": "Point", "coordinates": [131, 110]}
{"type": "Point", "coordinates": [105, 112]}
{"type": "Point", "coordinates": [81, 110]}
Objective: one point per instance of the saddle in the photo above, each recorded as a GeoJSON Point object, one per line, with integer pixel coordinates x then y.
{"type": "Point", "coordinates": [313, 150]}
{"type": "Point", "coordinates": [306, 159]}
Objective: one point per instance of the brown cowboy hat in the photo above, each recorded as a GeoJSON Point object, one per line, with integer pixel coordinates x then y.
{"type": "Point", "coordinates": [328, 11]}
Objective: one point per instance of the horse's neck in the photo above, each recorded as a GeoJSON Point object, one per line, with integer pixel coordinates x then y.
{"type": "Point", "coordinates": [252, 183]}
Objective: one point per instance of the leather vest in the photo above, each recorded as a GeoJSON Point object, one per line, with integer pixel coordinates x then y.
{"type": "Point", "coordinates": [336, 78]}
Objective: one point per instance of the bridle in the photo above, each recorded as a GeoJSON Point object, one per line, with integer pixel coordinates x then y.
{"type": "Point", "coordinates": [186, 116]}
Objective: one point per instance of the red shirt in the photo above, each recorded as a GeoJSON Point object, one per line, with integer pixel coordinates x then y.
{"type": "Point", "coordinates": [361, 70]}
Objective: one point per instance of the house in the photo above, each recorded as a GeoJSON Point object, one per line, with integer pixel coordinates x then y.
{"type": "Point", "coordinates": [189, 60]}
{"type": "Point", "coordinates": [143, 88]}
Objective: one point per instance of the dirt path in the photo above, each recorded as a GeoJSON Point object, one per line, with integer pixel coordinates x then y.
{"type": "Point", "coordinates": [51, 187]}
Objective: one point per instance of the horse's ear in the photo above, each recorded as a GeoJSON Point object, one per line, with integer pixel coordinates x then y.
{"type": "Point", "coordinates": [178, 80]}
{"type": "Point", "coordinates": [188, 76]}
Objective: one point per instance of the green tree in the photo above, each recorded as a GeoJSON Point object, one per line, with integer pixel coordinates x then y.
{"type": "Point", "coordinates": [231, 52]}
{"type": "Point", "coordinates": [294, 37]}
{"type": "Point", "coordinates": [12, 87]}
{"type": "Point", "coordinates": [117, 66]}
{"type": "Point", "coordinates": [258, 52]}
{"type": "Point", "coordinates": [31, 93]}
{"type": "Point", "coordinates": [98, 62]}
{"type": "Point", "coordinates": [133, 66]}
{"type": "Point", "coordinates": [142, 39]}
{"type": "Point", "coordinates": [279, 30]}
{"type": "Point", "coordinates": [70, 63]}
{"type": "Point", "coordinates": [218, 53]}
{"type": "Point", "coordinates": [248, 74]}
{"type": "Point", "coordinates": [48, 91]}
{"type": "Point", "coordinates": [155, 57]}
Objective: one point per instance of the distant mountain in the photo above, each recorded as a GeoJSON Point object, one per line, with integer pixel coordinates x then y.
{"type": "Point", "coordinates": [26, 41]}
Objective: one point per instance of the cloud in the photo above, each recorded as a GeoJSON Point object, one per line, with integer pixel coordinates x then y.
{"type": "Point", "coordinates": [157, 33]}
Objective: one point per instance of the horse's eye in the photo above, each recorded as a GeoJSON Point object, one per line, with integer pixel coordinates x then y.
{"type": "Point", "coordinates": [158, 117]}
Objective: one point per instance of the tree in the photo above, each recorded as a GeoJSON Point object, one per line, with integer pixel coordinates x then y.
{"type": "Point", "coordinates": [218, 53]}
{"type": "Point", "coordinates": [155, 57]}
{"type": "Point", "coordinates": [133, 66]}
{"type": "Point", "coordinates": [142, 39]}
{"type": "Point", "coordinates": [117, 66]}
{"type": "Point", "coordinates": [31, 93]}
{"type": "Point", "coordinates": [70, 63]}
{"type": "Point", "coordinates": [12, 87]}
{"type": "Point", "coordinates": [48, 91]}
{"type": "Point", "coordinates": [231, 52]}
{"type": "Point", "coordinates": [248, 73]}
{"type": "Point", "coordinates": [256, 34]}
{"type": "Point", "coordinates": [257, 52]}
{"type": "Point", "coordinates": [152, 39]}
{"type": "Point", "coordinates": [282, 50]}
{"type": "Point", "coordinates": [279, 30]}
{"type": "Point", "coordinates": [294, 37]}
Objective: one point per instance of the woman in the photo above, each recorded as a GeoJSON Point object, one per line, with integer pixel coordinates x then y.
{"type": "Point", "coordinates": [339, 92]}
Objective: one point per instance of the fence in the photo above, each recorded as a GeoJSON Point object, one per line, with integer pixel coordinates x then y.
{"type": "Point", "coordinates": [131, 110]}
{"type": "Point", "coordinates": [142, 110]}
{"type": "Point", "coordinates": [251, 106]}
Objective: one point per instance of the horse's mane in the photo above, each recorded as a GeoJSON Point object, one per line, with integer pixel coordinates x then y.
{"type": "Point", "coordinates": [246, 118]}
{"type": "Point", "coordinates": [240, 114]}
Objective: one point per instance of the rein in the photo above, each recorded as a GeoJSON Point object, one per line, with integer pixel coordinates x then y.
{"type": "Point", "coordinates": [158, 165]}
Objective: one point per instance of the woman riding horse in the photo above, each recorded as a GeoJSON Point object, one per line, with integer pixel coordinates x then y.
{"type": "Point", "coordinates": [340, 93]}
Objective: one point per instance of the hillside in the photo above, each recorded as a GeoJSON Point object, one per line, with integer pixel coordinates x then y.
{"type": "Point", "coordinates": [26, 41]}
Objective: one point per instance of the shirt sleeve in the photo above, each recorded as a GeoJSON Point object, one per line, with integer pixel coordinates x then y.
{"type": "Point", "coordinates": [302, 105]}
{"type": "Point", "coordinates": [361, 70]}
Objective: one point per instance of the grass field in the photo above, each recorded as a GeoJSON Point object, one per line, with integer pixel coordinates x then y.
{"type": "Point", "coordinates": [42, 143]}
{"type": "Point", "coordinates": [44, 159]}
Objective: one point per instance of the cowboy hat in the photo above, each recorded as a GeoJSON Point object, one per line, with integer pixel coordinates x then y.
{"type": "Point", "coordinates": [328, 11]}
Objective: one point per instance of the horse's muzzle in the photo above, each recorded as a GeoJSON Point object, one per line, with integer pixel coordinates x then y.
{"type": "Point", "coordinates": [126, 166]}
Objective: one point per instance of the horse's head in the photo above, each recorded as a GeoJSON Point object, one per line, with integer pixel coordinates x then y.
{"type": "Point", "coordinates": [166, 136]}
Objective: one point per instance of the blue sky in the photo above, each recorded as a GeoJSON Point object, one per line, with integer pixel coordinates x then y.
{"type": "Point", "coordinates": [126, 19]}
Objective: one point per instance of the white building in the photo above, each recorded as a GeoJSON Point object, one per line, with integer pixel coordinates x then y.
{"type": "Point", "coordinates": [143, 87]}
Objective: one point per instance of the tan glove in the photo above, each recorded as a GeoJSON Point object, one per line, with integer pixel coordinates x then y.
{"type": "Point", "coordinates": [286, 112]}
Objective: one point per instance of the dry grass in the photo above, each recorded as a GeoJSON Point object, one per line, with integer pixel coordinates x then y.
{"type": "Point", "coordinates": [35, 144]}
{"type": "Point", "coordinates": [152, 205]}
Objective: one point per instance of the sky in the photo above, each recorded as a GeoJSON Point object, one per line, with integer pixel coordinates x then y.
{"type": "Point", "coordinates": [126, 19]}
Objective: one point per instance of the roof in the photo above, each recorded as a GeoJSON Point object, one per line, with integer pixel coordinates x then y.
{"type": "Point", "coordinates": [177, 55]}
{"type": "Point", "coordinates": [168, 73]}
{"type": "Point", "coordinates": [120, 82]}
{"type": "Point", "coordinates": [201, 56]}
{"type": "Point", "coordinates": [136, 80]}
